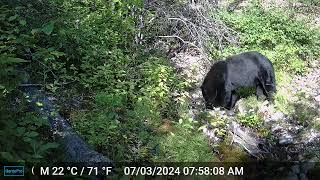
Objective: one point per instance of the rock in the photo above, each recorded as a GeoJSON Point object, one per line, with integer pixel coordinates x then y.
{"type": "Point", "coordinates": [277, 116]}
{"type": "Point", "coordinates": [230, 112]}
{"type": "Point", "coordinates": [263, 110]}
{"type": "Point", "coordinates": [285, 139]}
{"type": "Point", "coordinates": [191, 114]}
{"type": "Point", "coordinates": [314, 64]}
{"type": "Point", "coordinates": [296, 129]}
{"type": "Point", "coordinates": [223, 112]}
{"type": "Point", "coordinates": [310, 136]}
{"type": "Point", "coordinates": [210, 133]}
{"type": "Point", "coordinates": [240, 107]}
{"type": "Point", "coordinates": [276, 128]}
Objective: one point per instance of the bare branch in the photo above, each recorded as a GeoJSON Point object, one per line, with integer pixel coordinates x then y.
{"type": "Point", "coordinates": [194, 23]}
{"type": "Point", "coordinates": [183, 41]}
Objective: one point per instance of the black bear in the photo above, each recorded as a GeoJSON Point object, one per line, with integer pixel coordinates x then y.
{"type": "Point", "coordinates": [245, 70]}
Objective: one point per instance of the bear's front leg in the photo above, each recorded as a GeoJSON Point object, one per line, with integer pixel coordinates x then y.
{"type": "Point", "coordinates": [228, 100]}
{"type": "Point", "coordinates": [234, 98]}
{"type": "Point", "coordinates": [260, 92]}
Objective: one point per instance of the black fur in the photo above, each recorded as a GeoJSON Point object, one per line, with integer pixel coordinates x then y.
{"type": "Point", "coordinates": [248, 69]}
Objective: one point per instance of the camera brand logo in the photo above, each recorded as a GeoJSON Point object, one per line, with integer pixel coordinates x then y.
{"type": "Point", "coordinates": [13, 171]}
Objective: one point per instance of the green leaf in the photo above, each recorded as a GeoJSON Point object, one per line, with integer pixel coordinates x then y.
{"type": "Point", "coordinates": [47, 29]}
{"type": "Point", "coordinates": [40, 104]}
{"type": "Point", "coordinates": [10, 60]}
{"type": "Point", "coordinates": [27, 139]}
{"type": "Point", "coordinates": [47, 146]}
{"type": "Point", "coordinates": [6, 155]}
{"type": "Point", "coordinates": [20, 131]}
{"type": "Point", "coordinates": [57, 53]}
{"type": "Point", "coordinates": [11, 18]}
{"type": "Point", "coordinates": [23, 22]}
{"type": "Point", "coordinates": [31, 134]}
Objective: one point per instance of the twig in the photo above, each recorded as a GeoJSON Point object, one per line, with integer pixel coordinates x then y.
{"type": "Point", "coordinates": [185, 42]}
{"type": "Point", "coordinates": [179, 19]}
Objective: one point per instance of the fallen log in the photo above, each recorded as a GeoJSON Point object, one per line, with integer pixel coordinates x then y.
{"type": "Point", "coordinates": [75, 148]}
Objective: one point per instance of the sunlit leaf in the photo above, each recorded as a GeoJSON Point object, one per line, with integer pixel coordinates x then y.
{"type": "Point", "coordinates": [39, 103]}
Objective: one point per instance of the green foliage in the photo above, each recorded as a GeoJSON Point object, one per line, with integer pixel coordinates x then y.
{"type": "Point", "coordinates": [118, 134]}
{"type": "Point", "coordinates": [218, 123]}
{"type": "Point", "coordinates": [244, 92]}
{"type": "Point", "coordinates": [91, 45]}
{"type": "Point", "coordinates": [305, 112]}
{"type": "Point", "coordinates": [21, 135]}
{"type": "Point", "coordinates": [135, 113]}
{"type": "Point", "coordinates": [249, 117]}
{"type": "Point", "coordinates": [11, 38]}
{"type": "Point", "coordinates": [98, 37]}
{"type": "Point", "coordinates": [290, 44]}
{"type": "Point", "coordinates": [184, 145]}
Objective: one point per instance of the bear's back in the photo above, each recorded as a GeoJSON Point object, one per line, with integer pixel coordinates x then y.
{"type": "Point", "coordinates": [252, 56]}
{"type": "Point", "coordinates": [245, 68]}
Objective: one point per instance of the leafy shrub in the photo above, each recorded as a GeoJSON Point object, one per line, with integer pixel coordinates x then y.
{"type": "Point", "coordinates": [290, 44]}
{"type": "Point", "coordinates": [245, 92]}
{"type": "Point", "coordinates": [22, 137]}
{"type": "Point", "coordinates": [11, 40]}
{"type": "Point", "coordinates": [21, 140]}
{"type": "Point", "coordinates": [90, 44]}
{"type": "Point", "coordinates": [133, 112]}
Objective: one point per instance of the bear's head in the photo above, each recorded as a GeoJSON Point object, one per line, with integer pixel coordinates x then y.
{"type": "Point", "coordinates": [213, 86]}
{"type": "Point", "coordinates": [214, 96]}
